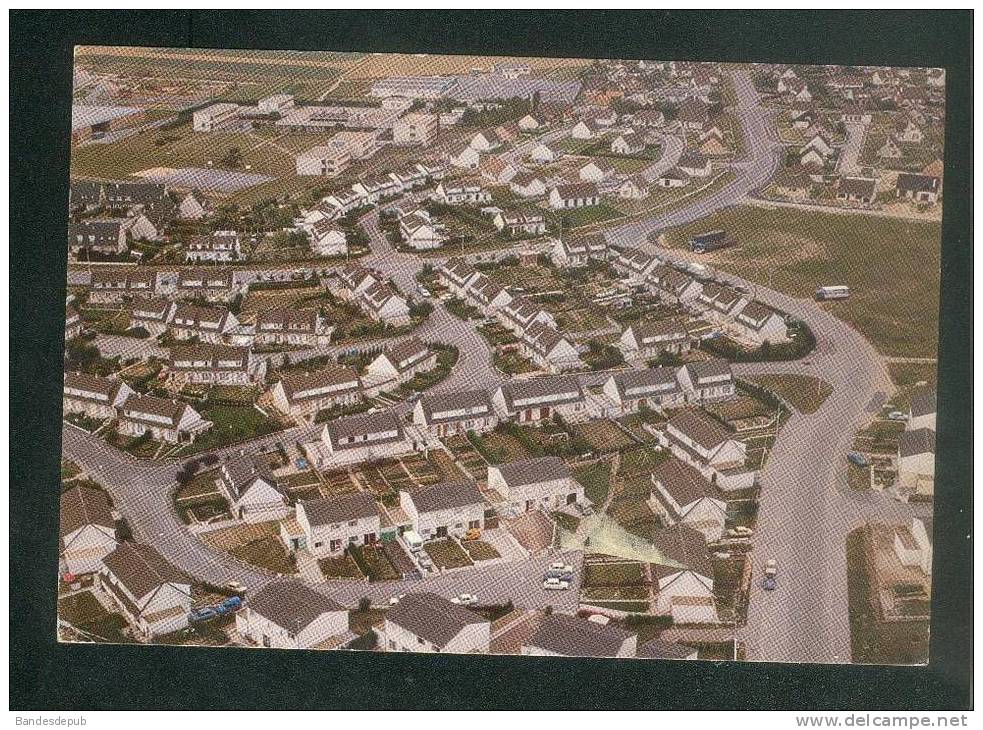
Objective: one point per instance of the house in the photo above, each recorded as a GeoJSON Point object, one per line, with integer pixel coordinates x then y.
{"type": "Point", "coordinates": [921, 411]}
{"type": "Point", "coordinates": [254, 494]}
{"type": "Point", "coordinates": [456, 274]}
{"type": "Point", "coordinates": [152, 594]}
{"type": "Point", "coordinates": [647, 339]}
{"type": "Point", "coordinates": [135, 197]}
{"type": "Point", "coordinates": [714, 146]}
{"type": "Point", "coordinates": [215, 364]}
{"type": "Point", "coordinates": [573, 195]}
{"type": "Point", "coordinates": [919, 188]}
{"type": "Point", "coordinates": [916, 461]}
{"type": "Point", "coordinates": [485, 141]}
{"type": "Point", "coordinates": [428, 623]}
{"type": "Point", "coordinates": [93, 395]}
{"type": "Point", "coordinates": [85, 196]}
{"type": "Point", "coordinates": [655, 388]}
{"type": "Point", "coordinates": [543, 484]}
{"type": "Point", "coordinates": [585, 129]}
{"type": "Point", "coordinates": [105, 237]}
{"type": "Point", "coordinates": [192, 207]}
{"type": "Point", "coordinates": [298, 327]}
{"type": "Point", "coordinates": [365, 436]}
{"type": "Point", "coordinates": [287, 614]}
{"type": "Point", "coordinates": [674, 286]}
{"type": "Point", "coordinates": [674, 178]}
{"type": "Point", "coordinates": [461, 191]}
{"type": "Point", "coordinates": [693, 113]}
{"type": "Point", "coordinates": [889, 150]}
{"type": "Point", "coordinates": [523, 222]}
{"type": "Point", "coordinates": [578, 251]}
{"type": "Point", "coordinates": [147, 226]}
{"type": "Point", "coordinates": [73, 323]}
{"type": "Point", "coordinates": [700, 440]}
{"type": "Point", "coordinates": [418, 230]}
{"type": "Point", "coordinates": [447, 509]}
{"type": "Point", "coordinates": [721, 303]}
{"type": "Point", "coordinates": [527, 185]}
{"type": "Point", "coordinates": [356, 278]}
{"type": "Point", "coordinates": [86, 529]}
{"type": "Point", "coordinates": [212, 285]}
{"type": "Point", "coordinates": [707, 381]}
{"type": "Point", "coordinates": [467, 159]}
{"type": "Point", "coordinates": [542, 155]}
{"type": "Point", "coordinates": [415, 129]}
{"type": "Point", "coordinates": [803, 118]}
{"type": "Point", "coordinates": [905, 130]}
{"type": "Point", "coordinates": [682, 495]}
{"type": "Point", "coordinates": [820, 143]}
{"type": "Point", "coordinates": [219, 246]}
{"type": "Point", "coordinates": [540, 399]}
{"type": "Point", "coordinates": [634, 187]}
{"type": "Point", "coordinates": [327, 239]}
{"type": "Point", "coordinates": [497, 169]}
{"type": "Point", "coordinates": [520, 313]}
{"type": "Point", "coordinates": [446, 414]}
{"type": "Point", "coordinates": [215, 117]}
{"type": "Point", "coordinates": [410, 177]}
{"type": "Point", "coordinates": [758, 324]}
{"type": "Point", "coordinates": [169, 421]}
{"type": "Point", "coordinates": [812, 160]}
{"type": "Point", "coordinates": [861, 190]}
{"type": "Point", "coordinates": [401, 361]}
{"type": "Point", "coordinates": [373, 188]}
{"type": "Point", "coordinates": [596, 171]}
{"type": "Point", "coordinates": [562, 635]}
{"type": "Point", "coordinates": [487, 295]}
{"type": "Point", "coordinates": [382, 304]}
{"type": "Point", "coordinates": [207, 324]}
{"type": "Point", "coordinates": [323, 161]}
{"type": "Point", "coordinates": [635, 264]}
{"type": "Point", "coordinates": [532, 123]}
{"type": "Point", "coordinates": [685, 587]}
{"type": "Point", "coordinates": [333, 525]}
{"type": "Point", "coordinates": [112, 286]}
{"type": "Point", "coordinates": [549, 349]}
{"type": "Point", "coordinates": [695, 164]}
{"type": "Point", "coordinates": [305, 394]}
{"type": "Point", "coordinates": [628, 144]}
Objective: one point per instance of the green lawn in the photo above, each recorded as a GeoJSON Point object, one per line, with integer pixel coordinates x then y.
{"type": "Point", "coordinates": [589, 215]}
{"type": "Point", "coordinates": [803, 392]}
{"type": "Point", "coordinates": [266, 552]}
{"type": "Point", "coordinates": [596, 479]}
{"type": "Point", "coordinates": [231, 425]}
{"type": "Point", "coordinates": [892, 267]}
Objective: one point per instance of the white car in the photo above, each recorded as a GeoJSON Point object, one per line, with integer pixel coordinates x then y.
{"type": "Point", "coordinates": [561, 566]}
{"type": "Point", "coordinates": [396, 599]}
{"type": "Point", "coordinates": [771, 568]}
{"type": "Point", "coordinates": [555, 584]}
{"type": "Point", "coordinates": [465, 599]}
{"type": "Point", "coordinates": [897, 416]}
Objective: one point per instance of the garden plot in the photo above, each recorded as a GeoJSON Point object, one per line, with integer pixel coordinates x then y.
{"type": "Point", "coordinates": [602, 436]}
{"type": "Point", "coordinates": [257, 544]}
{"type": "Point", "coordinates": [467, 456]}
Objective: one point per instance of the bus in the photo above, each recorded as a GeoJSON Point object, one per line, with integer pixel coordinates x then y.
{"type": "Point", "coordinates": [832, 292]}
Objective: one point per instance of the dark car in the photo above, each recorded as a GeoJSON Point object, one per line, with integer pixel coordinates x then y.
{"type": "Point", "coordinates": [769, 583]}
{"type": "Point", "coordinates": [858, 459]}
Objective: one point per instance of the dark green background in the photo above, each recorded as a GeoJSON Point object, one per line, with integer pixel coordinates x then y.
{"type": "Point", "coordinates": [45, 675]}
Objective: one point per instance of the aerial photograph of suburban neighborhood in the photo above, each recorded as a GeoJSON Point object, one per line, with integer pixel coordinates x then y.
{"type": "Point", "coordinates": [500, 355]}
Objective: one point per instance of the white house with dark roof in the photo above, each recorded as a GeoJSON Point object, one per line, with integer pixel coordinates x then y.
{"type": "Point", "coordinates": [549, 349]}
{"type": "Point", "coordinates": [520, 313]}
{"type": "Point", "coordinates": [151, 593]}
{"type": "Point", "coordinates": [446, 414]}
{"type": "Point", "coordinates": [399, 362]}
{"type": "Point", "coordinates": [635, 264]}
{"type": "Point", "coordinates": [153, 314]}
{"type": "Point", "coordinates": [419, 231]}
{"type": "Point", "coordinates": [254, 494]}
{"type": "Point", "coordinates": [327, 238]}
{"type": "Point", "coordinates": [301, 327]}
{"type": "Point", "coordinates": [648, 339]}
{"type": "Point", "coordinates": [428, 623]}
{"type": "Point", "coordinates": [362, 437]}
{"type": "Point", "coordinates": [288, 614]}
{"type": "Point", "coordinates": [573, 195]}
{"type": "Point", "coordinates": [218, 246]}
{"type": "Point", "coordinates": [655, 388]}
{"type": "Point", "coordinates": [355, 278]}
{"type": "Point", "coordinates": [673, 286]}
{"type": "Point", "coordinates": [94, 395]}
{"type": "Point", "coordinates": [685, 588]}
{"type": "Point", "coordinates": [456, 274]}
{"type": "Point", "coordinates": [461, 192]}
{"type": "Point", "coordinates": [579, 250]}
{"type": "Point", "coordinates": [304, 394]}
{"type": "Point", "coordinates": [165, 420]}
{"type": "Point", "coordinates": [539, 399]}
{"type": "Point", "coordinates": [73, 323]}
{"type": "Point", "coordinates": [87, 530]}
{"type": "Point", "coordinates": [527, 184]}
{"type": "Point", "coordinates": [721, 303]}
{"type": "Point", "coordinates": [445, 509]}
{"type": "Point", "coordinates": [529, 484]}
{"type": "Point", "coordinates": [707, 381]}
{"type": "Point", "coordinates": [213, 285]}
{"type": "Point", "coordinates": [382, 304]}
{"type": "Point", "coordinates": [561, 635]}
{"type": "Point", "coordinates": [757, 323]}
{"type": "Point", "coordinates": [207, 324]}
{"type": "Point", "coordinates": [334, 524]}
{"type": "Point", "coordinates": [596, 171]}
{"type": "Point", "coordinates": [700, 440]}
{"type": "Point", "coordinates": [916, 461]}
{"type": "Point", "coordinates": [105, 237]}
{"type": "Point", "coordinates": [486, 294]}
{"type": "Point", "coordinates": [521, 222]}
{"type": "Point", "coordinates": [111, 286]}
{"type": "Point", "coordinates": [681, 494]}
{"type": "Point", "coordinates": [921, 411]}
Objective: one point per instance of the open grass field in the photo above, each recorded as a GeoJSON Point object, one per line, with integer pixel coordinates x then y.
{"type": "Point", "coordinates": [891, 266]}
{"type": "Point", "coordinates": [804, 392]}
{"type": "Point", "coordinates": [404, 64]}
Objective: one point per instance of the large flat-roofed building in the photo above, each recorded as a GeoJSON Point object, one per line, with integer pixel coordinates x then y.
{"type": "Point", "coordinates": [215, 117]}
{"type": "Point", "coordinates": [414, 87]}
{"type": "Point", "coordinates": [89, 122]}
{"type": "Point", "coordinates": [415, 129]}
{"type": "Point", "coordinates": [323, 161]}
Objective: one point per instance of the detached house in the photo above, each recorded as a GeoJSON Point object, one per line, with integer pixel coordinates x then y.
{"type": "Point", "coordinates": [287, 614]}
{"type": "Point", "coordinates": [254, 494]}
{"type": "Point", "coordinates": [446, 414]}
{"type": "Point", "coordinates": [682, 495]}
{"type": "Point", "coordinates": [574, 195]}
{"type": "Point", "coordinates": [655, 388]}
{"type": "Point", "coordinates": [418, 231]}
{"type": "Point", "coordinates": [333, 525]}
{"type": "Point", "coordinates": [648, 339]}
{"type": "Point", "coordinates": [487, 295]}
{"type": "Point", "coordinates": [540, 399]}
{"type": "Point", "coordinates": [327, 239]}
{"type": "Point", "coordinates": [165, 420]}
{"type": "Point", "coordinates": [758, 323]}
{"type": "Point", "coordinates": [562, 635]}
{"type": "Point", "coordinates": [596, 171]}
{"type": "Point", "coordinates": [921, 412]}
{"type": "Point", "coordinates": [585, 129]}
{"type": "Point", "coordinates": [628, 144]}
{"type": "Point", "coordinates": [401, 361]}
{"type": "Point", "coordinates": [428, 623]}
{"type": "Point", "coordinates": [86, 530]}
{"type": "Point", "coordinates": [305, 394]}
{"type": "Point", "coordinates": [530, 484]}
{"type": "Point", "coordinates": [861, 190]}
{"type": "Point", "coordinates": [151, 593]}
{"type": "Point", "coordinates": [695, 164]}
{"type": "Point", "coordinates": [445, 509]}
{"type": "Point", "coordinates": [542, 155]}
{"type": "Point", "coordinates": [93, 395]}
{"type": "Point", "coordinates": [685, 588]}
{"type": "Point", "coordinates": [382, 304]}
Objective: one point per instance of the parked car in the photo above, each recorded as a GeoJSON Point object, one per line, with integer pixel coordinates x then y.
{"type": "Point", "coordinates": [559, 575]}
{"type": "Point", "coordinates": [858, 459]}
{"type": "Point", "coordinates": [560, 565]}
{"type": "Point", "coordinates": [465, 599]}
{"type": "Point", "coordinates": [198, 615]}
{"type": "Point", "coordinates": [396, 599]}
{"type": "Point", "coordinates": [897, 416]}
{"type": "Point", "coordinates": [555, 584]}
{"type": "Point", "coordinates": [235, 586]}
{"type": "Point", "coordinates": [769, 583]}
{"type": "Point", "coordinates": [771, 568]}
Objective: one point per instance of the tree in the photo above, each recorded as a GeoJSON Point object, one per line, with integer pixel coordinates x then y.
{"type": "Point", "coordinates": [233, 158]}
